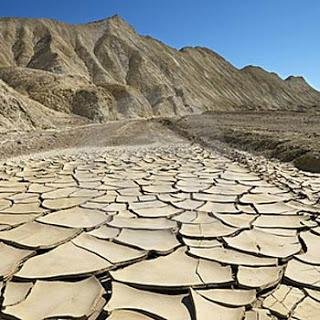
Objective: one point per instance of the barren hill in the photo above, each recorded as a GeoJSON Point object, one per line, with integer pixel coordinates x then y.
{"type": "Point", "coordinates": [105, 71]}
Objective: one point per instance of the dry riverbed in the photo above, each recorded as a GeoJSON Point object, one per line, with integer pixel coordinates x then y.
{"type": "Point", "coordinates": [159, 231]}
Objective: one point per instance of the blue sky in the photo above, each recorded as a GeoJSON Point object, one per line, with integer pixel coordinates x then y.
{"type": "Point", "coordinates": [279, 35]}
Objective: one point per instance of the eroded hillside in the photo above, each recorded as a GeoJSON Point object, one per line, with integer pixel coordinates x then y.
{"type": "Point", "coordinates": [106, 71]}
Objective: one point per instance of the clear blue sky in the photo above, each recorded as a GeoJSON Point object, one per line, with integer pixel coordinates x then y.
{"type": "Point", "coordinates": [279, 35]}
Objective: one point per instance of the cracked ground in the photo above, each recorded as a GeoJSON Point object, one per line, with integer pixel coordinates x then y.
{"type": "Point", "coordinates": [172, 232]}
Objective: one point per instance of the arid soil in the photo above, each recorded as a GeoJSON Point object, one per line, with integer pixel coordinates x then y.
{"type": "Point", "coordinates": [114, 133]}
{"type": "Point", "coordinates": [287, 136]}
{"type": "Point", "coordinates": [161, 218]}
{"type": "Point", "coordinates": [168, 231]}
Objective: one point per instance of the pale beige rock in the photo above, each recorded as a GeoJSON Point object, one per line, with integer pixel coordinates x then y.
{"type": "Point", "coordinates": [16, 219]}
{"type": "Point", "coordinates": [259, 314]}
{"type": "Point", "coordinates": [169, 197]}
{"type": "Point", "coordinates": [142, 223]}
{"type": "Point", "coordinates": [55, 184]}
{"type": "Point", "coordinates": [259, 277]}
{"type": "Point", "coordinates": [127, 315]}
{"type": "Point", "coordinates": [303, 274]}
{"type": "Point", "coordinates": [115, 207]}
{"type": "Point", "coordinates": [236, 220]}
{"type": "Point", "coordinates": [161, 188]}
{"type": "Point", "coordinates": [239, 176]}
{"type": "Point", "coordinates": [312, 242]}
{"type": "Point", "coordinates": [283, 300]}
{"type": "Point", "coordinates": [147, 198]}
{"type": "Point", "coordinates": [115, 253]}
{"type": "Point", "coordinates": [229, 297]}
{"type": "Point", "coordinates": [63, 203]}
{"type": "Point", "coordinates": [165, 211]}
{"type": "Point", "coordinates": [186, 217]}
{"type": "Point", "coordinates": [129, 192]}
{"type": "Point", "coordinates": [233, 257]}
{"type": "Point", "coordinates": [246, 208]}
{"type": "Point", "coordinates": [257, 183]}
{"type": "Point", "coordinates": [296, 204]}
{"type": "Point", "coordinates": [12, 186]}
{"type": "Point", "coordinates": [220, 198]}
{"type": "Point", "coordinates": [119, 183]}
{"type": "Point", "coordinates": [11, 258]}
{"type": "Point", "coordinates": [67, 299]}
{"type": "Point", "coordinates": [276, 209]}
{"type": "Point", "coordinates": [191, 186]}
{"type": "Point", "coordinates": [258, 198]}
{"type": "Point", "coordinates": [4, 204]}
{"type": "Point", "coordinates": [165, 272]}
{"type": "Point", "coordinates": [23, 208]}
{"type": "Point", "coordinates": [123, 214]}
{"type": "Point", "coordinates": [207, 230]}
{"type": "Point", "coordinates": [15, 292]}
{"type": "Point", "coordinates": [259, 242]}
{"type": "Point", "coordinates": [227, 190]}
{"type": "Point", "coordinates": [126, 199]}
{"type": "Point", "coordinates": [204, 218]}
{"type": "Point", "coordinates": [6, 195]}
{"type": "Point", "coordinates": [59, 193]}
{"type": "Point", "coordinates": [75, 218]}
{"type": "Point", "coordinates": [160, 241]}
{"type": "Point", "coordinates": [219, 207]}
{"type": "Point", "coordinates": [67, 260]}
{"type": "Point", "coordinates": [205, 308]}
{"type": "Point", "coordinates": [24, 197]}
{"type": "Point", "coordinates": [34, 235]}
{"type": "Point", "coordinates": [39, 188]}
{"type": "Point", "coordinates": [286, 222]}
{"type": "Point", "coordinates": [107, 198]}
{"type": "Point", "coordinates": [202, 243]}
{"type": "Point", "coordinates": [93, 205]}
{"type": "Point", "coordinates": [272, 190]}
{"type": "Point", "coordinates": [147, 204]}
{"type": "Point", "coordinates": [279, 231]}
{"type": "Point", "coordinates": [308, 309]}
{"type": "Point", "coordinates": [104, 232]}
{"type": "Point", "coordinates": [86, 177]}
{"type": "Point", "coordinates": [314, 294]}
{"type": "Point", "coordinates": [168, 307]}
{"type": "Point", "coordinates": [188, 204]}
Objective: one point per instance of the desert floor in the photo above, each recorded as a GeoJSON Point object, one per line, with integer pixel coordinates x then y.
{"type": "Point", "coordinates": [139, 220]}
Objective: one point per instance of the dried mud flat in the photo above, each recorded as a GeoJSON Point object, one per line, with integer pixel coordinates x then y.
{"type": "Point", "coordinates": [171, 231]}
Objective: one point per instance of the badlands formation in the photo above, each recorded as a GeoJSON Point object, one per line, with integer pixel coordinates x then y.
{"type": "Point", "coordinates": [150, 224]}
{"type": "Point", "coordinates": [53, 74]}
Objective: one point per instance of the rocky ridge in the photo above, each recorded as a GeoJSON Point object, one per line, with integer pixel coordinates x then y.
{"type": "Point", "coordinates": [105, 71]}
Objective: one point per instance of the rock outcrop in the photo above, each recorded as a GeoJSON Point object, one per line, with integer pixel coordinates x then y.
{"type": "Point", "coordinates": [104, 71]}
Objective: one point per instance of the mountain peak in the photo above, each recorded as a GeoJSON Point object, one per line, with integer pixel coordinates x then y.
{"type": "Point", "coordinates": [296, 79]}
{"type": "Point", "coordinates": [114, 21]}
{"type": "Point", "coordinates": [299, 82]}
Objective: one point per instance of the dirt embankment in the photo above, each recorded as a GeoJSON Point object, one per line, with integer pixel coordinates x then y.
{"type": "Point", "coordinates": [287, 136]}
